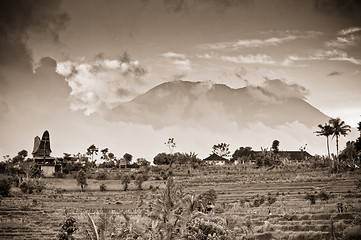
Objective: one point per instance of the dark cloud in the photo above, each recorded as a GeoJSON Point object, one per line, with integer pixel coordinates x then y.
{"type": "Point", "coordinates": [334, 73]}
{"type": "Point", "coordinates": [348, 9]}
{"type": "Point", "coordinates": [20, 17]}
{"type": "Point", "coordinates": [186, 6]}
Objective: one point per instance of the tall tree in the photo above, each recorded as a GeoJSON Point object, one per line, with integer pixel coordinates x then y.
{"type": "Point", "coordinates": [339, 128]}
{"type": "Point", "coordinates": [275, 145]}
{"type": "Point", "coordinates": [91, 150]}
{"type": "Point", "coordinates": [105, 154]}
{"type": "Point", "coordinates": [128, 158]}
{"type": "Point", "coordinates": [171, 145]}
{"type": "Point", "coordinates": [325, 130]}
{"type": "Point", "coordinates": [221, 149]}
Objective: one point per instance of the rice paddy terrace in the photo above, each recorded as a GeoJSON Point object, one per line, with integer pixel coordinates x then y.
{"type": "Point", "coordinates": [259, 204]}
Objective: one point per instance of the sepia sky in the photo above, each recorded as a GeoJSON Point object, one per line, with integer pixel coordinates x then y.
{"type": "Point", "coordinates": [63, 67]}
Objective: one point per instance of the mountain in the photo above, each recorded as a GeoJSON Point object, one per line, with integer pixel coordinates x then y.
{"type": "Point", "coordinates": [184, 103]}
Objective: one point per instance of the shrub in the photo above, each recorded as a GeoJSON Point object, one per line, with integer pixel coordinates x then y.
{"type": "Point", "coordinates": [69, 227]}
{"type": "Point", "coordinates": [31, 185]}
{"type": "Point", "coordinates": [5, 186]}
{"type": "Point", "coordinates": [81, 179]}
{"type": "Point", "coordinates": [101, 176]}
{"type": "Point", "coordinates": [258, 201]}
{"type": "Point", "coordinates": [206, 228]}
{"type": "Point", "coordinates": [139, 179]}
{"type": "Point", "coordinates": [103, 187]}
{"type": "Point", "coordinates": [352, 233]}
{"type": "Point", "coordinates": [125, 181]}
{"type": "Point", "coordinates": [271, 200]}
{"type": "Point", "coordinates": [311, 197]}
{"type": "Point", "coordinates": [323, 196]}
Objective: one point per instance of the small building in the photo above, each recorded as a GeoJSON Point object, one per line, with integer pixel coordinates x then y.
{"type": "Point", "coordinates": [214, 159]}
{"type": "Point", "coordinates": [41, 155]}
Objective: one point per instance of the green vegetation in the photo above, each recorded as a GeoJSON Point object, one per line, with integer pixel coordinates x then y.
{"type": "Point", "coordinates": [81, 179]}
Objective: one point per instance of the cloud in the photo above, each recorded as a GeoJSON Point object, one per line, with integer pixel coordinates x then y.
{"type": "Point", "coordinates": [178, 60]}
{"type": "Point", "coordinates": [18, 19]}
{"type": "Point", "coordinates": [259, 58]}
{"type": "Point", "coordinates": [346, 38]}
{"type": "Point", "coordinates": [284, 90]}
{"type": "Point", "coordinates": [334, 73]}
{"type": "Point", "coordinates": [249, 43]}
{"type": "Point", "coordinates": [331, 55]}
{"type": "Point", "coordinates": [102, 83]}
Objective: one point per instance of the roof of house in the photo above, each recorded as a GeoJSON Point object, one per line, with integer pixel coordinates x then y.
{"type": "Point", "coordinates": [214, 157]}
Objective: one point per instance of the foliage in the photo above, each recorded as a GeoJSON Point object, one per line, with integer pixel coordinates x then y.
{"type": "Point", "coordinates": [102, 187]}
{"type": "Point", "coordinates": [81, 179]}
{"type": "Point", "coordinates": [325, 130]}
{"type": "Point", "coordinates": [275, 145]}
{"type": "Point", "coordinates": [125, 181]}
{"type": "Point", "coordinates": [68, 229]}
{"type": "Point", "coordinates": [323, 196]}
{"type": "Point", "coordinates": [203, 227]}
{"type": "Point", "coordinates": [163, 159]}
{"type": "Point", "coordinates": [171, 144]}
{"type": "Point", "coordinates": [30, 185]}
{"type": "Point", "coordinates": [20, 157]}
{"type": "Point", "coordinates": [91, 150]}
{"type": "Point", "coordinates": [349, 153]}
{"type": "Point", "coordinates": [142, 162]}
{"type": "Point", "coordinates": [178, 158]}
{"type": "Point", "coordinates": [5, 186]}
{"type": "Point", "coordinates": [221, 149]}
{"type": "Point", "coordinates": [339, 128]}
{"type": "Point", "coordinates": [128, 158]}
{"type": "Point", "coordinates": [205, 198]}
{"type": "Point", "coordinates": [139, 179]}
{"type": "Point", "coordinates": [311, 197]}
{"type": "Point", "coordinates": [243, 152]}
{"type": "Point", "coordinates": [258, 201]}
{"type": "Point", "coordinates": [101, 176]}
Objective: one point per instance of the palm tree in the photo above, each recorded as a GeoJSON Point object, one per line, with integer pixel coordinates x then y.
{"type": "Point", "coordinates": [325, 130]}
{"type": "Point", "coordinates": [339, 128]}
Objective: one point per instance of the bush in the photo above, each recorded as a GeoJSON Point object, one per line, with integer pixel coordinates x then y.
{"type": "Point", "coordinates": [69, 227]}
{"type": "Point", "coordinates": [258, 201]}
{"type": "Point", "coordinates": [323, 196]}
{"type": "Point", "coordinates": [311, 197]}
{"type": "Point", "coordinates": [125, 182]}
{"type": "Point", "coordinates": [81, 179]}
{"type": "Point", "coordinates": [101, 176]}
{"type": "Point", "coordinates": [5, 186]}
{"type": "Point", "coordinates": [352, 233]}
{"type": "Point", "coordinates": [31, 185]}
{"type": "Point", "coordinates": [206, 228]}
{"type": "Point", "coordinates": [103, 187]}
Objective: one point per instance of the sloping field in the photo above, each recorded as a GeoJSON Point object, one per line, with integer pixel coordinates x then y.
{"type": "Point", "coordinates": [259, 204]}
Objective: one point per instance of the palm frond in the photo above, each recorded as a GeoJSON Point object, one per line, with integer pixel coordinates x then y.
{"type": "Point", "coordinates": [93, 228]}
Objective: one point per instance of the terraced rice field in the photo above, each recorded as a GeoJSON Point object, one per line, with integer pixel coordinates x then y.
{"type": "Point", "coordinates": [291, 216]}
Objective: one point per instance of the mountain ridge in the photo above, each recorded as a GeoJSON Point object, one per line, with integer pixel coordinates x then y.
{"type": "Point", "coordinates": [184, 102]}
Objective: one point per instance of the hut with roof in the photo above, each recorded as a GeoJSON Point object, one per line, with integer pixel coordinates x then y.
{"type": "Point", "coordinates": [215, 159]}
{"type": "Point", "coordinates": [41, 155]}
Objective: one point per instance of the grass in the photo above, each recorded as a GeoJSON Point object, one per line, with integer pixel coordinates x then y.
{"type": "Point", "coordinates": [236, 194]}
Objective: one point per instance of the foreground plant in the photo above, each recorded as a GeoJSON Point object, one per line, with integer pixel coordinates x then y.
{"type": "Point", "coordinates": [68, 229]}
